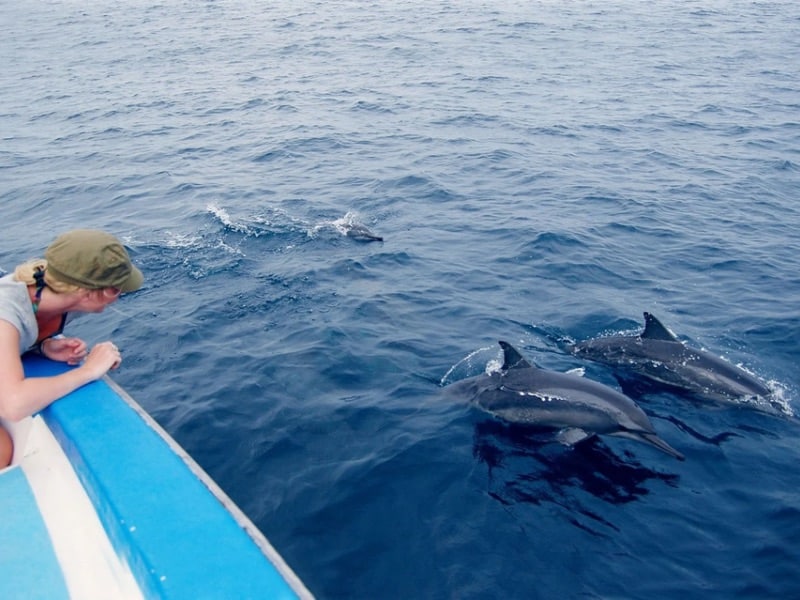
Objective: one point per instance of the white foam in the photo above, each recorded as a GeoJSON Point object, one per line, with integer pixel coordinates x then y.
{"type": "Point", "coordinates": [466, 364]}
{"type": "Point", "coordinates": [225, 218]}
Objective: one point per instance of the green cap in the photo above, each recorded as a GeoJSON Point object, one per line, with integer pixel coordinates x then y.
{"type": "Point", "coordinates": [93, 260]}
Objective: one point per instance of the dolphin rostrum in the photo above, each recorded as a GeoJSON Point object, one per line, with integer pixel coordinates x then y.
{"type": "Point", "coordinates": [579, 408]}
{"type": "Point", "coordinates": [659, 355]}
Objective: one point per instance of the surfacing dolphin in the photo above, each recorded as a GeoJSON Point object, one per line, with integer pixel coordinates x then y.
{"type": "Point", "coordinates": [579, 408]}
{"type": "Point", "coordinates": [660, 356]}
{"type": "Point", "coordinates": [360, 233]}
{"type": "Point", "coordinates": [349, 226]}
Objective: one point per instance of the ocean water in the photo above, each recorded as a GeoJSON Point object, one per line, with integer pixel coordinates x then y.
{"type": "Point", "coordinates": [540, 171]}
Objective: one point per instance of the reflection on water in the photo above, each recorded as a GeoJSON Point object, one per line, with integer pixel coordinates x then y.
{"type": "Point", "coordinates": [525, 465]}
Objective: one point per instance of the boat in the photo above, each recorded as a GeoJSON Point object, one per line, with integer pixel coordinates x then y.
{"type": "Point", "coordinates": [101, 503]}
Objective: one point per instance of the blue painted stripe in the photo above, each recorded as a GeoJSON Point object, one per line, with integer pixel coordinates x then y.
{"type": "Point", "coordinates": [29, 568]}
{"type": "Point", "coordinates": [178, 538]}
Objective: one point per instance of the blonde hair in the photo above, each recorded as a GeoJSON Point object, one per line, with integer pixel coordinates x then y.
{"type": "Point", "coordinates": [25, 273]}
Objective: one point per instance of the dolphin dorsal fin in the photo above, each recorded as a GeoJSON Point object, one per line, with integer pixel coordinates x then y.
{"type": "Point", "coordinates": [654, 330]}
{"type": "Point", "coordinates": [511, 358]}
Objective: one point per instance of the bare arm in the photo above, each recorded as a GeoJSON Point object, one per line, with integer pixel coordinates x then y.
{"type": "Point", "coordinates": [22, 396]}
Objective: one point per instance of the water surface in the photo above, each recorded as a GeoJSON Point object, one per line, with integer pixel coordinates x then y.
{"type": "Point", "coordinates": [541, 172]}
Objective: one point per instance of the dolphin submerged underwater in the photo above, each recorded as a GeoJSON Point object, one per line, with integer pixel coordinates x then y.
{"type": "Point", "coordinates": [656, 353]}
{"type": "Point", "coordinates": [579, 408]}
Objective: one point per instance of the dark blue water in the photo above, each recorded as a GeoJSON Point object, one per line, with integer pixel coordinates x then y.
{"type": "Point", "coordinates": [541, 172]}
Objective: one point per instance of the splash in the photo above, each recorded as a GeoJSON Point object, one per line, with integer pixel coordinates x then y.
{"type": "Point", "coordinates": [342, 224]}
{"type": "Point", "coordinates": [345, 223]}
{"type": "Point", "coordinates": [225, 218]}
{"type": "Point", "coordinates": [778, 400]}
{"type": "Point", "coordinates": [472, 365]}
{"type": "Point", "coordinates": [181, 240]}
{"type": "Point", "coordinates": [348, 225]}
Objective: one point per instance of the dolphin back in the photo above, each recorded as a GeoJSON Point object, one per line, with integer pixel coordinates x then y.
{"type": "Point", "coordinates": [660, 356]}
{"type": "Point", "coordinates": [577, 407]}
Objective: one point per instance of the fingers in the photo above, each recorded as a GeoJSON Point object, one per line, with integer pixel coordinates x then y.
{"type": "Point", "coordinates": [118, 354]}
{"type": "Point", "coordinates": [69, 350]}
{"type": "Point", "coordinates": [118, 357]}
{"type": "Point", "coordinates": [74, 342]}
{"type": "Point", "coordinates": [79, 349]}
{"type": "Point", "coordinates": [103, 357]}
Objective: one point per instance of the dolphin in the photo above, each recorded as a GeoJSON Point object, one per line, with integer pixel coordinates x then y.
{"type": "Point", "coordinates": [579, 408]}
{"type": "Point", "coordinates": [349, 226]}
{"type": "Point", "coordinates": [360, 233]}
{"type": "Point", "coordinates": [656, 353]}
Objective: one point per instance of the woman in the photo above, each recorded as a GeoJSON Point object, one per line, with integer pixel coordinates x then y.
{"type": "Point", "coordinates": [83, 271]}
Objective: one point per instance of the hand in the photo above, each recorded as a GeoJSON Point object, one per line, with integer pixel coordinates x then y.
{"type": "Point", "coordinates": [70, 350]}
{"type": "Point", "coordinates": [104, 356]}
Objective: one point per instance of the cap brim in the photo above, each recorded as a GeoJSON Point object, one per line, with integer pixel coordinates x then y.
{"type": "Point", "coordinates": [134, 282]}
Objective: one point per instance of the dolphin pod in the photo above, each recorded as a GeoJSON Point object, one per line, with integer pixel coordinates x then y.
{"type": "Point", "coordinates": [578, 408]}
{"type": "Point", "coordinates": [657, 354]}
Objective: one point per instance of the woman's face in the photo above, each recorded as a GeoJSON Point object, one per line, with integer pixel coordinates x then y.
{"type": "Point", "coordinates": [95, 301]}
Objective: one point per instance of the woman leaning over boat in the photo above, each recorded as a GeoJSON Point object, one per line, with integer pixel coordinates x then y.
{"type": "Point", "coordinates": [83, 271]}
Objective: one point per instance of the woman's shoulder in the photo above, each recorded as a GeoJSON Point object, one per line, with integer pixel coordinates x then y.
{"type": "Point", "coordinates": [13, 295]}
{"type": "Point", "coordinates": [9, 286]}
{"type": "Point", "coordinates": [15, 308]}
